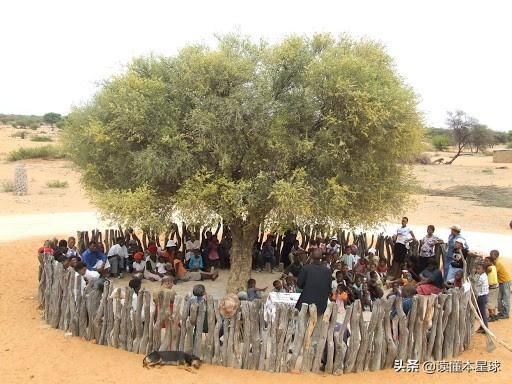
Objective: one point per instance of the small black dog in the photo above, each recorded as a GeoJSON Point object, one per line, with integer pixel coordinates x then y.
{"type": "Point", "coordinates": [171, 358]}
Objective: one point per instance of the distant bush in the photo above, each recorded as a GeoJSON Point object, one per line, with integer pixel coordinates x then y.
{"type": "Point", "coordinates": [45, 152]}
{"type": "Point", "coordinates": [509, 145]}
{"type": "Point", "coordinates": [34, 126]}
{"type": "Point", "coordinates": [424, 159]}
{"type": "Point", "coordinates": [488, 171]}
{"type": "Point", "coordinates": [57, 184]}
{"type": "Point", "coordinates": [41, 138]}
{"type": "Point", "coordinates": [6, 186]}
{"type": "Point", "coordinates": [20, 134]}
{"type": "Point", "coordinates": [441, 142]}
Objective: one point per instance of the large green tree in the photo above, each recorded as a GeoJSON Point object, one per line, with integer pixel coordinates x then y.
{"type": "Point", "coordinates": [311, 130]}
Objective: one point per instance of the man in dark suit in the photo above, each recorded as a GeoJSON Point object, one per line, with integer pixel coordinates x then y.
{"type": "Point", "coordinates": [315, 282]}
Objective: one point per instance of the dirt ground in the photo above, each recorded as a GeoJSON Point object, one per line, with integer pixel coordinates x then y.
{"type": "Point", "coordinates": [31, 352]}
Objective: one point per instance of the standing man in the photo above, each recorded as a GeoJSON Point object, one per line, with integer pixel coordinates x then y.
{"type": "Point", "coordinates": [315, 282]}
{"type": "Point", "coordinates": [454, 236]}
{"type": "Point", "coordinates": [504, 280]}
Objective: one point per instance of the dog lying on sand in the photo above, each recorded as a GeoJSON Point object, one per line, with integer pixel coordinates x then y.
{"type": "Point", "coordinates": [178, 358]}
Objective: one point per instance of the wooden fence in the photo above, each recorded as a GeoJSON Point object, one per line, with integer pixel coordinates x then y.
{"type": "Point", "coordinates": [437, 327]}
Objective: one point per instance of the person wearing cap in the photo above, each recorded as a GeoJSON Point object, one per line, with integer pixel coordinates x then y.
{"type": "Point", "coordinates": [333, 246]}
{"type": "Point", "coordinates": [170, 251]}
{"type": "Point", "coordinates": [454, 235]}
{"type": "Point", "coordinates": [457, 264]}
{"type": "Point", "coordinates": [315, 282]}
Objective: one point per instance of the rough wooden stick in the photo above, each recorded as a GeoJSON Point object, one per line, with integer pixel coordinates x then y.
{"type": "Point", "coordinates": [340, 345]}
{"type": "Point", "coordinates": [300, 331]}
{"type": "Point", "coordinates": [117, 318]}
{"type": "Point", "coordinates": [197, 350]}
{"type": "Point", "coordinates": [175, 323]}
{"type": "Point", "coordinates": [391, 345]}
{"type": "Point", "coordinates": [157, 327]}
{"type": "Point", "coordinates": [355, 337]}
{"type": "Point", "coordinates": [290, 331]}
{"type": "Point", "coordinates": [165, 345]}
{"type": "Point", "coordinates": [190, 328]}
{"type": "Point", "coordinates": [137, 319]}
{"type": "Point", "coordinates": [307, 353]}
{"type": "Point", "coordinates": [217, 355]}
{"type": "Point", "coordinates": [321, 338]}
{"type": "Point", "coordinates": [254, 312]}
{"type": "Point", "coordinates": [403, 330]}
{"type": "Point", "coordinates": [245, 307]}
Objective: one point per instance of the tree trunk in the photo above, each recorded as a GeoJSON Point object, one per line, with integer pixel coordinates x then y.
{"type": "Point", "coordinates": [241, 256]}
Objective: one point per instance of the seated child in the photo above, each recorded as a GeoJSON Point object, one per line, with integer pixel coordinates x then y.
{"type": "Point", "coordinates": [382, 267]}
{"type": "Point", "coordinates": [361, 266]}
{"type": "Point", "coordinates": [278, 286]}
{"type": "Point", "coordinates": [357, 287]}
{"type": "Point", "coordinates": [339, 280]}
{"type": "Point", "coordinates": [290, 284]}
{"type": "Point", "coordinates": [138, 265]}
{"type": "Point", "coordinates": [161, 267]}
{"type": "Point", "coordinates": [196, 261]}
{"type": "Point", "coordinates": [253, 293]}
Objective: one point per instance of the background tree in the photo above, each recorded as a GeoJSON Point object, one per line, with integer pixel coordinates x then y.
{"type": "Point", "coordinates": [460, 124]}
{"type": "Point", "coordinates": [52, 118]}
{"type": "Point", "coordinates": [307, 131]}
{"type": "Point", "coordinates": [481, 137]}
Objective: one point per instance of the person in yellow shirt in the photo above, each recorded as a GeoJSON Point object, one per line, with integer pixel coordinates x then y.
{"type": "Point", "coordinates": [504, 281]}
{"type": "Point", "coordinates": [492, 277]}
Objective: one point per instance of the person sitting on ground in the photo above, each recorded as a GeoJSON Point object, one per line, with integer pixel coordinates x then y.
{"type": "Point", "coordinates": [337, 281]}
{"type": "Point", "coordinates": [347, 274]}
{"type": "Point", "coordinates": [371, 256]}
{"type": "Point", "coordinates": [347, 258]}
{"type": "Point", "coordinates": [47, 248]}
{"type": "Point", "coordinates": [361, 266]}
{"type": "Point", "coordinates": [87, 276]}
{"type": "Point", "coordinates": [373, 276]}
{"type": "Point", "coordinates": [408, 293]}
{"type": "Point", "coordinates": [504, 280]}
{"type": "Point", "coordinates": [195, 261]}
{"type": "Point", "coordinates": [457, 281]}
{"type": "Point", "coordinates": [482, 294]}
{"type": "Point", "coordinates": [365, 297]}
{"type": "Point", "coordinates": [72, 249]}
{"type": "Point", "coordinates": [297, 253]}
{"type": "Point", "coordinates": [357, 287]}
{"type": "Point", "coordinates": [117, 256]}
{"type": "Point", "coordinates": [278, 286]}
{"type": "Point", "coordinates": [375, 291]}
{"type": "Point", "coordinates": [151, 271]}
{"type": "Point", "coordinates": [290, 284]}
{"type": "Point", "coordinates": [139, 264]}
{"type": "Point", "coordinates": [492, 277]}
{"type": "Point", "coordinates": [253, 293]}
{"type": "Point", "coordinates": [95, 259]}
{"type": "Point", "coordinates": [333, 246]}
{"type": "Point", "coordinates": [170, 251]}
{"type": "Point", "coordinates": [192, 246]}
{"type": "Point", "coordinates": [382, 268]}
{"type": "Point", "coordinates": [162, 267]}
{"type": "Point", "coordinates": [294, 268]}
{"type": "Point", "coordinates": [396, 290]}
{"type": "Point", "coordinates": [63, 247]}
{"type": "Point", "coordinates": [432, 281]}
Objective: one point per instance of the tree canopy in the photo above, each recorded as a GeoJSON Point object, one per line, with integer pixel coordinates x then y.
{"type": "Point", "coordinates": [311, 130]}
{"type": "Point", "coordinates": [52, 118]}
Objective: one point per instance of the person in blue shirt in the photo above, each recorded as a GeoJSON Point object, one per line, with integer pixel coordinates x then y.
{"type": "Point", "coordinates": [95, 259]}
{"type": "Point", "coordinates": [454, 236]}
{"type": "Point", "coordinates": [196, 261]}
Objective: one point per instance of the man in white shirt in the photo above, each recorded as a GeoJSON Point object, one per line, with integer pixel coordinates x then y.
{"type": "Point", "coordinates": [117, 255]}
{"type": "Point", "coordinates": [191, 246]}
{"type": "Point", "coordinates": [333, 247]}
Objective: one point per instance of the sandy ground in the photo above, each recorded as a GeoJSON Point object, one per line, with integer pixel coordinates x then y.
{"type": "Point", "coordinates": [31, 352]}
{"type": "Point", "coordinates": [40, 198]}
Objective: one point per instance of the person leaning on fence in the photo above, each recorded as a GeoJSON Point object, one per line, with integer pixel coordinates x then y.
{"type": "Point", "coordinates": [432, 280]}
{"type": "Point", "coordinates": [504, 281]}
{"type": "Point", "coordinates": [454, 236]}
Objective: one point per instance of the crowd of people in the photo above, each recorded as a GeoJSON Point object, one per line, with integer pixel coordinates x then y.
{"type": "Point", "coordinates": [319, 269]}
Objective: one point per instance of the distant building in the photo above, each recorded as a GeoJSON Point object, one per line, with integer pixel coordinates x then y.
{"type": "Point", "coordinates": [502, 156]}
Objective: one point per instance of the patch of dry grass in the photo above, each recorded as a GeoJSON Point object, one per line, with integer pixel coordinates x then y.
{"type": "Point", "coordinates": [486, 195]}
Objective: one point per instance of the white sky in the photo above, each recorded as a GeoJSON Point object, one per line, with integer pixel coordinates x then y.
{"type": "Point", "coordinates": [455, 54]}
